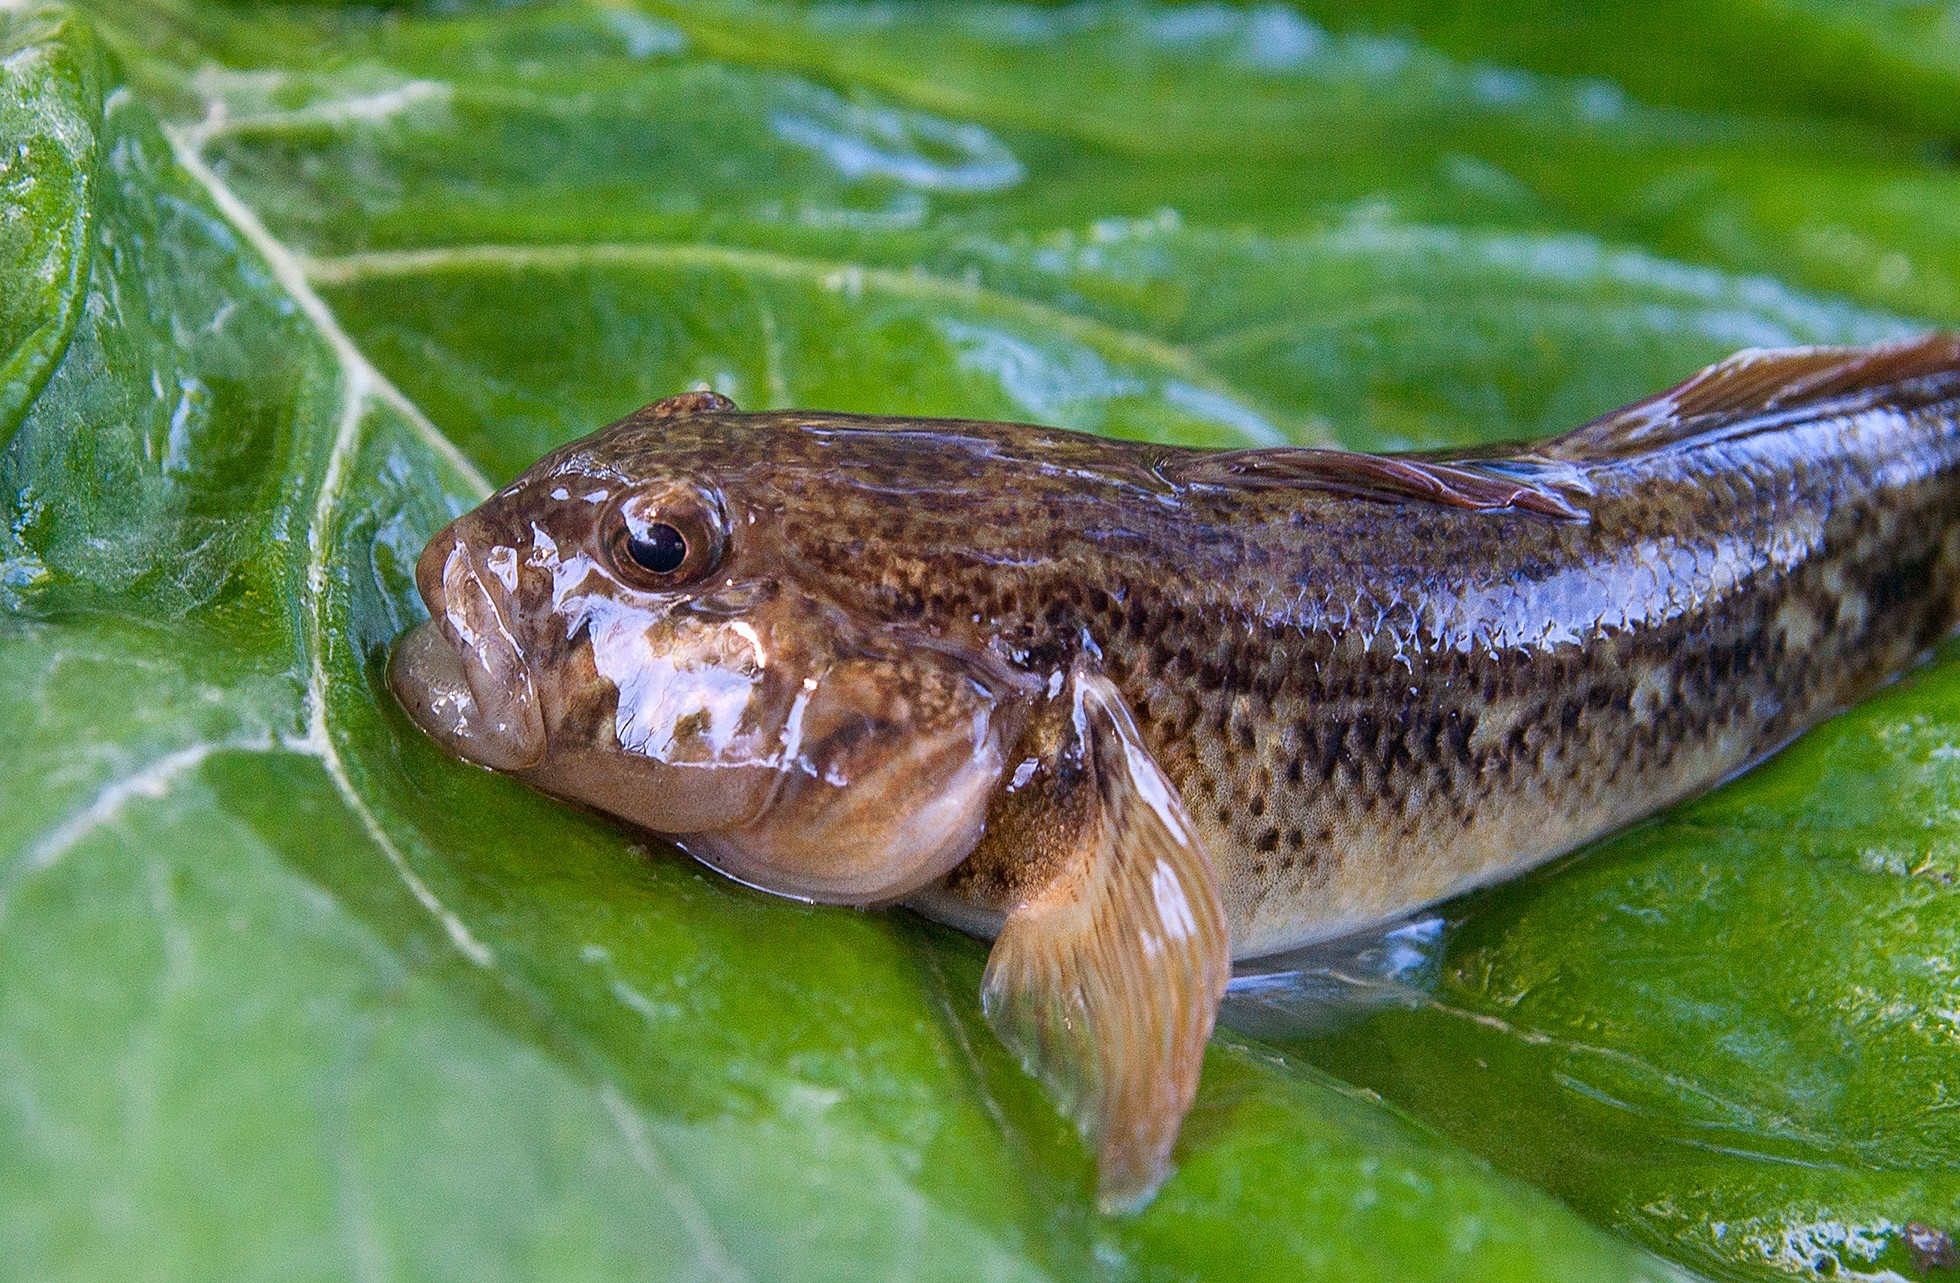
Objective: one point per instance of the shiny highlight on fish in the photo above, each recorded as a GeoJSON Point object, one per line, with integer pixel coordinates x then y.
{"type": "Point", "coordinates": [1133, 712]}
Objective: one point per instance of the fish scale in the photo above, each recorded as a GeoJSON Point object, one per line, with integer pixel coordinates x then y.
{"type": "Point", "coordinates": [1134, 711]}
{"type": "Point", "coordinates": [1340, 781]}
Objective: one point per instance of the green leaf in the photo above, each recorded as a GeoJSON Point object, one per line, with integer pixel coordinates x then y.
{"type": "Point", "coordinates": [49, 105]}
{"type": "Point", "coordinates": [1734, 1028]}
{"type": "Point", "coordinates": [287, 993]}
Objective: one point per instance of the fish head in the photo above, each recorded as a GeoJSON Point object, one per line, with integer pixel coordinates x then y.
{"type": "Point", "coordinates": [633, 625]}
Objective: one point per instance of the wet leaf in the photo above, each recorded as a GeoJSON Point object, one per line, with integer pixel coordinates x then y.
{"type": "Point", "coordinates": [289, 994]}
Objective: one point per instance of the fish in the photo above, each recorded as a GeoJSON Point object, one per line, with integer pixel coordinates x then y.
{"type": "Point", "coordinates": [1135, 712]}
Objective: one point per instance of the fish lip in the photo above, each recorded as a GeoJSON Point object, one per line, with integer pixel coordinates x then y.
{"type": "Point", "coordinates": [426, 675]}
{"type": "Point", "coordinates": [461, 675]}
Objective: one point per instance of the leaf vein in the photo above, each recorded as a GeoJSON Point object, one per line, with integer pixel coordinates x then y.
{"type": "Point", "coordinates": [714, 1252]}
{"type": "Point", "coordinates": [362, 383]}
{"type": "Point", "coordinates": [1147, 349]}
{"type": "Point", "coordinates": [152, 781]}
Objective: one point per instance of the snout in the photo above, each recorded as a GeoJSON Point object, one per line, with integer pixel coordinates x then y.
{"type": "Point", "coordinates": [426, 674]}
{"type": "Point", "coordinates": [462, 674]}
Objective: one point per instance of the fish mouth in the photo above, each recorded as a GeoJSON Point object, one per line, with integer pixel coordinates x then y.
{"type": "Point", "coordinates": [460, 675]}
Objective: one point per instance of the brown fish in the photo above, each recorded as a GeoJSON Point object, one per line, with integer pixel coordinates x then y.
{"type": "Point", "coordinates": [1134, 712]}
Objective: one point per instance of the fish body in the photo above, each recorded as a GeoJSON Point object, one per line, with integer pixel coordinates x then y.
{"type": "Point", "coordinates": [1135, 711]}
{"type": "Point", "coordinates": [1370, 702]}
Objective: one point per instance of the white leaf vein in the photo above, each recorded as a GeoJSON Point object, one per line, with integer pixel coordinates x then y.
{"type": "Point", "coordinates": [362, 386]}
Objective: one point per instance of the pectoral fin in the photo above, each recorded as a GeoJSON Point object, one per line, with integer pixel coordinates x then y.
{"type": "Point", "coordinates": [1107, 979]}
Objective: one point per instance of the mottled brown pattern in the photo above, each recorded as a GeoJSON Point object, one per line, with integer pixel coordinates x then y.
{"type": "Point", "coordinates": [1370, 697]}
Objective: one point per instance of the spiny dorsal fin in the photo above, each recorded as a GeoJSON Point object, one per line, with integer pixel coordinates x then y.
{"type": "Point", "coordinates": [1765, 388]}
{"type": "Point", "coordinates": [1106, 981]}
{"type": "Point", "coordinates": [1482, 485]}
{"type": "Point", "coordinates": [699, 401]}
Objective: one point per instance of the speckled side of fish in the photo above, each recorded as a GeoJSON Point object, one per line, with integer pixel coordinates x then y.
{"type": "Point", "coordinates": [1134, 711]}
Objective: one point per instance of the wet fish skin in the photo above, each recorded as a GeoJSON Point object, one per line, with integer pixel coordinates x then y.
{"type": "Point", "coordinates": [1369, 706]}
{"type": "Point", "coordinates": [1135, 710]}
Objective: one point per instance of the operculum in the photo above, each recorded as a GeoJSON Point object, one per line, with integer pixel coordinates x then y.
{"type": "Point", "coordinates": [889, 762]}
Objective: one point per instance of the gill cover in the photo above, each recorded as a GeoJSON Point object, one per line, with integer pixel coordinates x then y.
{"type": "Point", "coordinates": [887, 765]}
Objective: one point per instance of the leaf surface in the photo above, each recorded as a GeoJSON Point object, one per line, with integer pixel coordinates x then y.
{"type": "Point", "coordinates": [289, 994]}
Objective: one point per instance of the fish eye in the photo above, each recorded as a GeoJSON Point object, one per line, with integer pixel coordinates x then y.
{"type": "Point", "coordinates": [668, 538]}
{"type": "Point", "coordinates": [660, 550]}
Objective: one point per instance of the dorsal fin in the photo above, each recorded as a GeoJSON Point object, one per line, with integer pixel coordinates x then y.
{"type": "Point", "coordinates": [1757, 390]}
{"type": "Point", "coordinates": [1479, 484]}
{"type": "Point", "coordinates": [1765, 388]}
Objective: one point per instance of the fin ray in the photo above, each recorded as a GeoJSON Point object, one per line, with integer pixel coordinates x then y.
{"type": "Point", "coordinates": [1469, 483]}
{"type": "Point", "coordinates": [1107, 981]}
{"type": "Point", "coordinates": [1762, 389]}
{"type": "Point", "coordinates": [1757, 390]}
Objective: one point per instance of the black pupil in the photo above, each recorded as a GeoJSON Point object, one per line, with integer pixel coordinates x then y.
{"type": "Point", "coordinates": [659, 548]}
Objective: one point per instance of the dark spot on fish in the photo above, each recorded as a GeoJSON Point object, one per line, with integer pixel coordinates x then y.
{"type": "Point", "coordinates": [1456, 732]}
{"type": "Point", "coordinates": [1364, 735]}
{"type": "Point", "coordinates": [1428, 734]}
{"type": "Point", "coordinates": [1397, 753]}
{"type": "Point", "coordinates": [1330, 751]}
